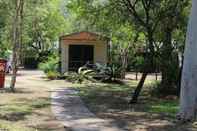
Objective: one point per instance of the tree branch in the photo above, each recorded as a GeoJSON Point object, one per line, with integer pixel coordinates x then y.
{"type": "Point", "coordinates": [132, 10]}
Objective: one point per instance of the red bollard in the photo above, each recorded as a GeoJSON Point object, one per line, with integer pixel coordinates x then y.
{"type": "Point", "coordinates": [3, 64]}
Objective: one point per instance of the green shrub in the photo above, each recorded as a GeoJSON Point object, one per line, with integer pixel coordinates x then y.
{"type": "Point", "coordinates": [157, 90]}
{"type": "Point", "coordinates": [71, 76]}
{"type": "Point", "coordinates": [139, 63]}
{"type": "Point", "coordinates": [102, 73]}
{"type": "Point", "coordinates": [108, 72]}
{"type": "Point", "coordinates": [51, 65]}
{"type": "Point", "coordinates": [52, 75]}
{"type": "Point", "coordinates": [83, 74]}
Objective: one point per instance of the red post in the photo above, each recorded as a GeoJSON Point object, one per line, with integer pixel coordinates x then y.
{"type": "Point", "coordinates": [3, 63]}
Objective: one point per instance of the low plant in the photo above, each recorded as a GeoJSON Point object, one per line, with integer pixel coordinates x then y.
{"type": "Point", "coordinates": [138, 63]}
{"type": "Point", "coordinates": [50, 65]}
{"type": "Point", "coordinates": [157, 90]}
{"type": "Point", "coordinates": [83, 74]}
{"type": "Point", "coordinates": [52, 75]}
{"type": "Point", "coordinates": [71, 76]}
{"type": "Point", "coordinates": [108, 72]}
{"type": "Point", "coordinates": [98, 72]}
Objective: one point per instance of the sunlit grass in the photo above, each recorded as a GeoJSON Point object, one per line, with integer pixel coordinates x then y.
{"type": "Point", "coordinates": [169, 107]}
{"type": "Point", "coordinates": [11, 126]}
{"type": "Point", "coordinates": [99, 95]}
{"type": "Point", "coordinates": [17, 110]}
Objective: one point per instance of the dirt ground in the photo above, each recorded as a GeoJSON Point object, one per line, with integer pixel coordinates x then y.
{"type": "Point", "coordinates": [29, 108]}
{"type": "Point", "coordinates": [110, 102]}
{"type": "Point", "coordinates": [137, 76]}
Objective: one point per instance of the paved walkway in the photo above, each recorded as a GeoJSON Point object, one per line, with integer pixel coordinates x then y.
{"type": "Point", "coordinates": [71, 111]}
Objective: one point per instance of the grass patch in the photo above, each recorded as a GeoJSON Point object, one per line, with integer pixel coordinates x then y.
{"type": "Point", "coordinates": [29, 108]}
{"type": "Point", "coordinates": [17, 111]}
{"type": "Point", "coordinates": [21, 114]}
{"type": "Point", "coordinates": [110, 101]}
{"type": "Point", "coordinates": [14, 111]}
{"type": "Point", "coordinates": [169, 107]}
{"type": "Point", "coordinates": [10, 126]}
{"type": "Point", "coordinates": [41, 103]}
{"type": "Point", "coordinates": [106, 97]}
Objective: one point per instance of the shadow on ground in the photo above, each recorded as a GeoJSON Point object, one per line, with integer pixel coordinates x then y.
{"type": "Point", "coordinates": [110, 101]}
{"type": "Point", "coordinates": [20, 108]}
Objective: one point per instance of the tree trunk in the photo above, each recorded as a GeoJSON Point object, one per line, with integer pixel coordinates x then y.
{"type": "Point", "coordinates": [169, 61]}
{"type": "Point", "coordinates": [16, 40]}
{"type": "Point", "coordinates": [138, 89]}
{"type": "Point", "coordinates": [188, 96]}
{"type": "Point", "coordinates": [136, 75]}
{"type": "Point", "coordinates": [156, 76]}
{"type": "Point", "coordinates": [124, 59]}
{"type": "Point", "coordinates": [169, 66]}
{"type": "Point", "coordinates": [180, 76]}
{"type": "Point", "coordinates": [148, 63]}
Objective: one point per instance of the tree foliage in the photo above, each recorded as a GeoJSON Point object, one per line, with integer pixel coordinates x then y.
{"type": "Point", "coordinates": [159, 24]}
{"type": "Point", "coordinates": [34, 27]}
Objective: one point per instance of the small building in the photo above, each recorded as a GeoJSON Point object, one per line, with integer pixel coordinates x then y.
{"type": "Point", "coordinates": [80, 48]}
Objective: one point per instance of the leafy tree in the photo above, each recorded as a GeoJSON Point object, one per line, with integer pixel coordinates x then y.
{"type": "Point", "coordinates": [97, 17]}
{"type": "Point", "coordinates": [44, 22]}
{"type": "Point", "coordinates": [148, 17]}
{"type": "Point", "coordinates": [173, 20]}
{"type": "Point", "coordinates": [4, 33]}
{"type": "Point", "coordinates": [33, 26]}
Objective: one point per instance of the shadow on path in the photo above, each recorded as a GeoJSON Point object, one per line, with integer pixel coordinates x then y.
{"type": "Point", "coordinates": [70, 109]}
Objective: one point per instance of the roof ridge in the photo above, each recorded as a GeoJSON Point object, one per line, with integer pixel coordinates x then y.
{"type": "Point", "coordinates": [77, 33]}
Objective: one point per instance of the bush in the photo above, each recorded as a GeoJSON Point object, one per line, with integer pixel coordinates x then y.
{"type": "Point", "coordinates": [98, 72]}
{"type": "Point", "coordinates": [157, 90]}
{"type": "Point", "coordinates": [71, 76]}
{"type": "Point", "coordinates": [51, 65]}
{"type": "Point", "coordinates": [52, 75]}
{"type": "Point", "coordinates": [83, 74]}
{"type": "Point", "coordinates": [108, 72]}
{"type": "Point", "coordinates": [139, 63]}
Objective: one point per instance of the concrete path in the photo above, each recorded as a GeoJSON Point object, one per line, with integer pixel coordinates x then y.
{"type": "Point", "coordinates": [71, 111]}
